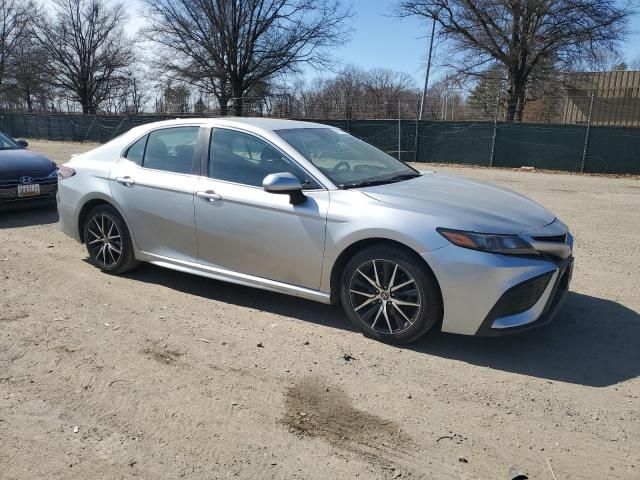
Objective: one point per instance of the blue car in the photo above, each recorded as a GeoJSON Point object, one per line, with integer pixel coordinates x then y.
{"type": "Point", "coordinates": [26, 178]}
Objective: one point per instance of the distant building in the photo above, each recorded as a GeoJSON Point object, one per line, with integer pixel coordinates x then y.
{"type": "Point", "coordinates": [612, 98]}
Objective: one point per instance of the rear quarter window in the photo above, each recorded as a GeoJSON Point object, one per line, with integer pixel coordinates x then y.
{"type": "Point", "coordinates": [135, 152]}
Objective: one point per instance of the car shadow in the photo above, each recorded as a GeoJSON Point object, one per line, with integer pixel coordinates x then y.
{"type": "Point", "coordinates": [592, 341]}
{"type": "Point", "coordinates": [28, 216]}
{"type": "Point", "coordinates": [257, 299]}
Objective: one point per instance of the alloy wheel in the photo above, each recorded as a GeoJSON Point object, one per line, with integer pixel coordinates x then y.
{"type": "Point", "coordinates": [104, 240]}
{"type": "Point", "coordinates": [385, 296]}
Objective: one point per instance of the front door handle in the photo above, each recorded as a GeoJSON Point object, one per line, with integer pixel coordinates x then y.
{"type": "Point", "coordinates": [209, 196]}
{"type": "Point", "coordinates": [126, 181]}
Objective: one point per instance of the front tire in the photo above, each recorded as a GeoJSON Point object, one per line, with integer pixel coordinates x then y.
{"type": "Point", "coordinates": [108, 240]}
{"type": "Point", "coordinates": [390, 295]}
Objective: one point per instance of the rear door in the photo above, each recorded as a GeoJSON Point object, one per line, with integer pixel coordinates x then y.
{"type": "Point", "coordinates": [243, 228]}
{"type": "Point", "coordinates": [154, 183]}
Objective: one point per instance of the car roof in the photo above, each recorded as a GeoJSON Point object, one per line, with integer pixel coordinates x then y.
{"type": "Point", "coordinates": [255, 122]}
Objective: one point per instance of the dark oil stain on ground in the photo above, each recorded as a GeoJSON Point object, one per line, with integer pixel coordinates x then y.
{"type": "Point", "coordinates": [562, 190]}
{"type": "Point", "coordinates": [162, 354]}
{"type": "Point", "coordinates": [315, 409]}
{"type": "Point", "coordinates": [12, 317]}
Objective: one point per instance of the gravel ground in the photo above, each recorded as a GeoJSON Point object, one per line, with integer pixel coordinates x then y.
{"type": "Point", "coordinates": [158, 374]}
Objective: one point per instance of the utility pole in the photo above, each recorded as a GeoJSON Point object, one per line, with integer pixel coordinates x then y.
{"type": "Point", "coordinates": [586, 137]}
{"type": "Point", "coordinates": [399, 129]}
{"type": "Point", "coordinates": [426, 77]}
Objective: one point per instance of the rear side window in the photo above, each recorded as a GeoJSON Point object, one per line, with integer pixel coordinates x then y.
{"type": "Point", "coordinates": [171, 149]}
{"type": "Point", "coordinates": [135, 152]}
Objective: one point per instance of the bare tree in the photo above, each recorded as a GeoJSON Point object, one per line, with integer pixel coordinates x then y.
{"type": "Point", "coordinates": [15, 16]}
{"type": "Point", "coordinates": [354, 93]}
{"type": "Point", "coordinates": [175, 99]}
{"type": "Point", "coordinates": [522, 35]}
{"type": "Point", "coordinates": [484, 97]}
{"type": "Point", "coordinates": [602, 59]}
{"type": "Point", "coordinates": [313, 101]}
{"type": "Point", "coordinates": [131, 96]}
{"type": "Point", "coordinates": [228, 46]}
{"type": "Point", "coordinates": [388, 82]}
{"type": "Point", "coordinates": [87, 48]}
{"type": "Point", "coordinates": [30, 75]}
{"type": "Point", "coordinates": [385, 87]}
{"type": "Point", "coordinates": [346, 92]}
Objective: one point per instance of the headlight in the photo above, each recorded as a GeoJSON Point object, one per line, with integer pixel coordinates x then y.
{"type": "Point", "coordinates": [53, 174]}
{"type": "Point", "coordinates": [486, 242]}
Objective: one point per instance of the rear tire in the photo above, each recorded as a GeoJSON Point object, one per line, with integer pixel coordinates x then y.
{"type": "Point", "coordinates": [108, 240]}
{"type": "Point", "coordinates": [390, 295]}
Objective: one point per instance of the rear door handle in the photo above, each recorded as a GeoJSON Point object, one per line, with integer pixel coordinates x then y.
{"type": "Point", "coordinates": [209, 196]}
{"type": "Point", "coordinates": [127, 181]}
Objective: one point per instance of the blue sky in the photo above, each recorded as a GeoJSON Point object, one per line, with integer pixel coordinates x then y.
{"type": "Point", "coordinates": [379, 40]}
{"type": "Point", "coordinates": [401, 44]}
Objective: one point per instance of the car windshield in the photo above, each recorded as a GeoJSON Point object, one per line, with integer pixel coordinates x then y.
{"type": "Point", "coordinates": [345, 160]}
{"type": "Point", "coordinates": [6, 143]}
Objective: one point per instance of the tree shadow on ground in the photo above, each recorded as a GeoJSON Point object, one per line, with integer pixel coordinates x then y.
{"type": "Point", "coordinates": [28, 217]}
{"type": "Point", "coordinates": [592, 341]}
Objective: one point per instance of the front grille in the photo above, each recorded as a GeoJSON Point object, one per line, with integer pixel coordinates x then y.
{"type": "Point", "coordinates": [15, 182]}
{"type": "Point", "coordinates": [521, 297]}
{"type": "Point", "coordinates": [551, 238]}
{"type": "Point", "coordinates": [9, 189]}
{"type": "Point", "coordinates": [559, 289]}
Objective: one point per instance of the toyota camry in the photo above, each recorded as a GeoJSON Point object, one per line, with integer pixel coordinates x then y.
{"type": "Point", "coordinates": [308, 210]}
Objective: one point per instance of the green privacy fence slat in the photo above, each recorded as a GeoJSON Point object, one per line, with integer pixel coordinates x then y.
{"type": "Point", "coordinates": [613, 150]}
{"type": "Point", "coordinates": [553, 147]}
{"type": "Point", "coordinates": [512, 145]}
{"type": "Point", "coordinates": [455, 142]}
{"type": "Point", "coordinates": [78, 128]}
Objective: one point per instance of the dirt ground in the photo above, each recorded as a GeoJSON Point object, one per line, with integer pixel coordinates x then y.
{"type": "Point", "coordinates": [160, 374]}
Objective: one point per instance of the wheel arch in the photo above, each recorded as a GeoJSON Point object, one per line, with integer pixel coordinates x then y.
{"type": "Point", "coordinates": [90, 205]}
{"type": "Point", "coordinates": [348, 252]}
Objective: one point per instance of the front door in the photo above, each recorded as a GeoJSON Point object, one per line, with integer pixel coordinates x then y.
{"type": "Point", "coordinates": [154, 183]}
{"type": "Point", "coordinates": [242, 228]}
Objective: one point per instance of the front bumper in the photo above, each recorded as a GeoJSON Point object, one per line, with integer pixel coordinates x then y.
{"type": "Point", "coordinates": [9, 199]}
{"type": "Point", "coordinates": [540, 313]}
{"type": "Point", "coordinates": [474, 286]}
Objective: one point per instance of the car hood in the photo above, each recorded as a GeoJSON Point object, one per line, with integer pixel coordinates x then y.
{"type": "Point", "coordinates": [19, 162]}
{"type": "Point", "coordinates": [464, 203]}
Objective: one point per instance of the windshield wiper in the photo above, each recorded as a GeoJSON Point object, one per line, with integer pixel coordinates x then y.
{"type": "Point", "coordinates": [373, 183]}
{"type": "Point", "coordinates": [405, 176]}
{"type": "Point", "coordinates": [364, 183]}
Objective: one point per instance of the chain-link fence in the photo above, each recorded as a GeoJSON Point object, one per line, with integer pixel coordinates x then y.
{"type": "Point", "coordinates": [571, 148]}
{"type": "Point", "coordinates": [571, 107]}
{"type": "Point", "coordinates": [577, 148]}
{"type": "Point", "coordinates": [77, 128]}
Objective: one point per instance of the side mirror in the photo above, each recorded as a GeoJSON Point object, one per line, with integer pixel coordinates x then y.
{"type": "Point", "coordinates": [285, 183]}
{"type": "Point", "coordinates": [22, 143]}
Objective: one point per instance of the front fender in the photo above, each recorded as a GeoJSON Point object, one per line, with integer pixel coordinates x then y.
{"type": "Point", "coordinates": [354, 217]}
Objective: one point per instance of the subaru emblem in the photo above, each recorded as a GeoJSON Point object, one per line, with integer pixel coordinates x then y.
{"type": "Point", "coordinates": [26, 180]}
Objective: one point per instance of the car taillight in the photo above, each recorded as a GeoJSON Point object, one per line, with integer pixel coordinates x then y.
{"type": "Point", "coordinates": [65, 172]}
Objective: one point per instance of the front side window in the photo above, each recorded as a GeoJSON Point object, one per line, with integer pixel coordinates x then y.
{"type": "Point", "coordinates": [345, 160]}
{"type": "Point", "coordinates": [171, 149]}
{"type": "Point", "coordinates": [242, 158]}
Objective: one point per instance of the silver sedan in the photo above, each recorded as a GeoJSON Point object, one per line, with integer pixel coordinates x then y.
{"type": "Point", "coordinates": [308, 210]}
